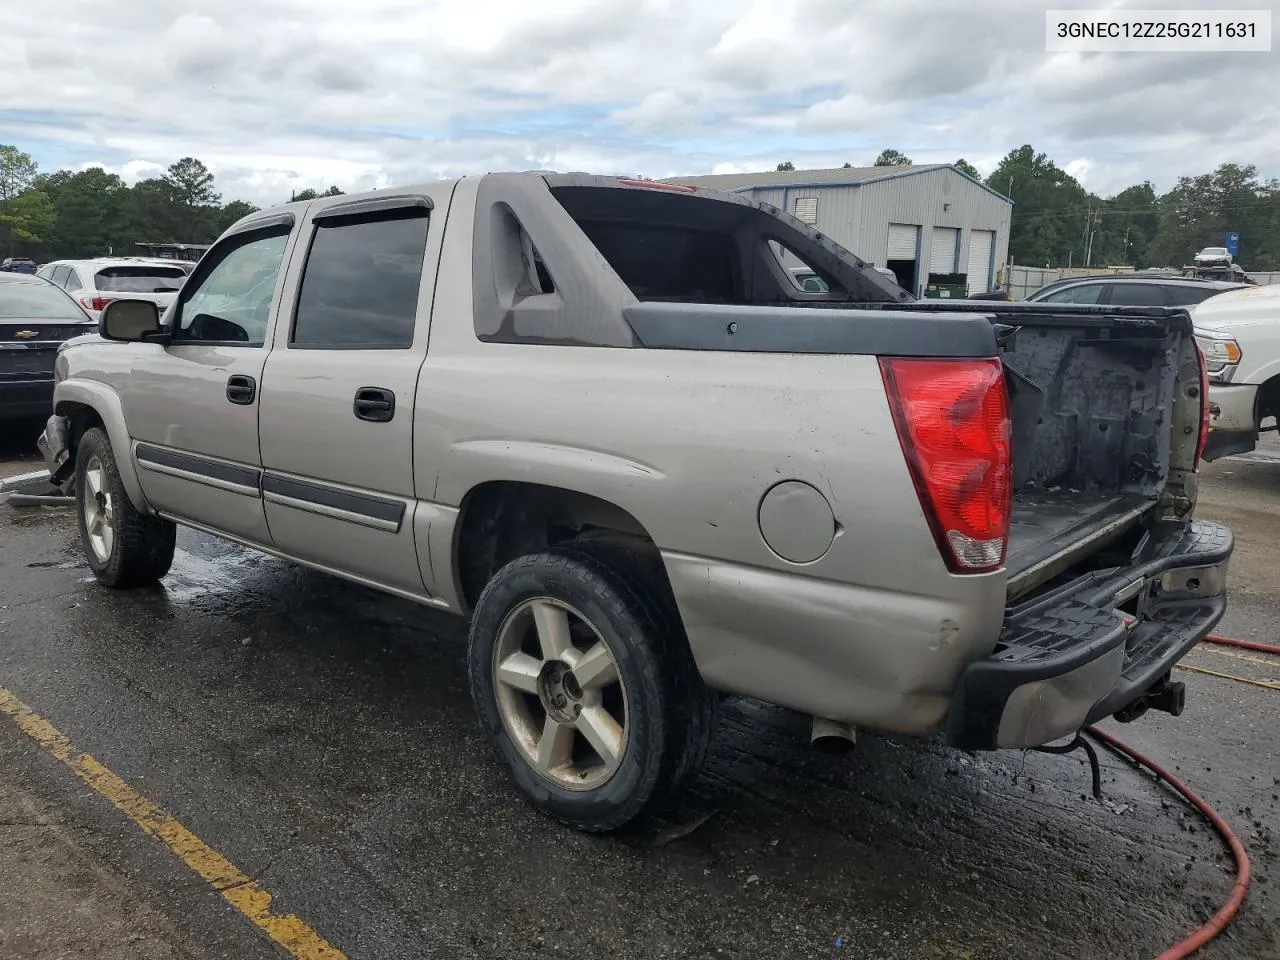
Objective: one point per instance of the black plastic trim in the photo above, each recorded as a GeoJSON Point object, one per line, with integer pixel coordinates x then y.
{"type": "Point", "coordinates": [274, 222]}
{"type": "Point", "coordinates": [1223, 443]}
{"type": "Point", "coordinates": [248, 477]}
{"type": "Point", "coordinates": [411, 203]}
{"type": "Point", "coordinates": [680, 326]}
{"type": "Point", "coordinates": [376, 508]}
{"type": "Point", "coordinates": [1022, 313]}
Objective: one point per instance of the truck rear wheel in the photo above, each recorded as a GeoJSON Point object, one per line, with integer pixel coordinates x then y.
{"type": "Point", "coordinates": [124, 548]}
{"type": "Point", "coordinates": [585, 685]}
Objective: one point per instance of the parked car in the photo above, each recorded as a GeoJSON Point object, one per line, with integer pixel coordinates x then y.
{"type": "Point", "coordinates": [95, 283]}
{"type": "Point", "coordinates": [652, 470]}
{"type": "Point", "coordinates": [1239, 334]}
{"type": "Point", "coordinates": [17, 265]}
{"type": "Point", "coordinates": [1131, 290]}
{"type": "Point", "coordinates": [1213, 257]}
{"type": "Point", "coordinates": [35, 317]}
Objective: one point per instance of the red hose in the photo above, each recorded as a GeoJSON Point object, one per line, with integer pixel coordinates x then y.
{"type": "Point", "coordinates": [1218, 922]}
{"type": "Point", "coordinates": [1243, 644]}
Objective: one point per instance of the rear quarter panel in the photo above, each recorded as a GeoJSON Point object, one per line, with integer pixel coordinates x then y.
{"type": "Point", "coordinates": [875, 631]}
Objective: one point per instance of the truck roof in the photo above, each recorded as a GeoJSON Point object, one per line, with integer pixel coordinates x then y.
{"type": "Point", "coordinates": [857, 274]}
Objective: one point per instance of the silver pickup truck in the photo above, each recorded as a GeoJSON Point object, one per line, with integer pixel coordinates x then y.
{"type": "Point", "coordinates": [600, 418]}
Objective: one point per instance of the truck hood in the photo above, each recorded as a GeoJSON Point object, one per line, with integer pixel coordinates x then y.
{"type": "Point", "coordinates": [1247, 307]}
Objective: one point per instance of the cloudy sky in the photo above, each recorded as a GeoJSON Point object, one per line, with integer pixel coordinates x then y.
{"type": "Point", "coordinates": [276, 94]}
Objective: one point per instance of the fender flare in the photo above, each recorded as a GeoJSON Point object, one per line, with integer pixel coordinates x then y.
{"type": "Point", "coordinates": [106, 403]}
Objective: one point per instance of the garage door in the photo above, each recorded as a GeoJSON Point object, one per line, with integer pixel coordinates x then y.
{"type": "Point", "coordinates": [902, 241]}
{"type": "Point", "coordinates": [943, 249]}
{"type": "Point", "coordinates": [979, 267]}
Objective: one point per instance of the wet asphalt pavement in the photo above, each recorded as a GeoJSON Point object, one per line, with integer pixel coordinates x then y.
{"type": "Point", "coordinates": [320, 736]}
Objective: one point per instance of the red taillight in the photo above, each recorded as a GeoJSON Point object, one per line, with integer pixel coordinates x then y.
{"type": "Point", "coordinates": [1204, 405]}
{"type": "Point", "coordinates": [97, 304]}
{"type": "Point", "coordinates": [953, 422]}
{"type": "Point", "coordinates": [657, 185]}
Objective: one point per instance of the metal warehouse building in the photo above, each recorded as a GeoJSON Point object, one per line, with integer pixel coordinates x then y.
{"type": "Point", "coordinates": [917, 220]}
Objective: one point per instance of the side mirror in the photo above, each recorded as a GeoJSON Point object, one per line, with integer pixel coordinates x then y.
{"type": "Point", "coordinates": [129, 320]}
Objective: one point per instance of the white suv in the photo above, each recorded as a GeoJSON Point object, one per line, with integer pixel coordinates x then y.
{"type": "Point", "coordinates": [1239, 334]}
{"type": "Point", "coordinates": [95, 283]}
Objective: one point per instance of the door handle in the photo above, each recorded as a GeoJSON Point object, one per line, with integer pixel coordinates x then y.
{"type": "Point", "coordinates": [375, 404]}
{"type": "Point", "coordinates": [241, 390]}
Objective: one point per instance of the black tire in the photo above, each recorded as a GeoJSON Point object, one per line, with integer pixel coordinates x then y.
{"type": "Point", "coordinates": [141, 549]}
{"type": "Point", "coordinates": [670, 711]}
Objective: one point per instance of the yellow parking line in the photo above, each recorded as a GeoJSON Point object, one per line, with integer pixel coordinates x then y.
{"type": "Point", "coordinates": [1241, 656]}
{"type": "Point", "coordinates": [1264, 684]}
{"type": "Point", "coordinates": [236, 887]}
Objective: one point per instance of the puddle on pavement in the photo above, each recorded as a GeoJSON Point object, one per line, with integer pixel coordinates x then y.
{"type": "Point", "coordinates": [193, 577]}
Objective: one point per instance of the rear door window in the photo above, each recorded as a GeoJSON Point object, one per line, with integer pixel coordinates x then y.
{"type": "Point", "coordinates": [1136, 295]}
{"type": "Point", "coordinates": [140, 279]}
{"type": "Point", "coordinates": [1184, 296]}
{"type": "Point", "coordinates": [73, 280]}
{"type": "Point", "coordinates": [1084, 293]}
{"type": "Point", "coordinates": [360, 284]}
{"type": "Point", "coordinates": [59, 275]}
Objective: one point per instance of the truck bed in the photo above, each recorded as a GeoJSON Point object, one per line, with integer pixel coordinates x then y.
{"type": "Point", "coordinates": [1045, 523]}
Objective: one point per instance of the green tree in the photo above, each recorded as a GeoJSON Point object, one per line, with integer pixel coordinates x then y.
{"type": "Point", "coordinates": [892, 158]}
{"type": "Point", "coordinates": [29, 216]}
{"type": "Point", "coordinates": [191, 183]}
{"type": "Point", "coordinates": [1051, 210]}
{"type": "Point", "coordinates": [964, 166]}
{"type": "Point", "coordinates": [786, 165]}
{"type": "Point", "coordinates": [158, 214]}
{"type": "Point", "coordinates": [197, 203]}
{"type": "Point", "coordinates": [95, 214]}
{"type": "Point", "coordinates": [17, 171]}
{"type": "Point", "coordinates": [1127, 223]}
{"type": "Point", "coordinates": [311, 194]}
{"type": "Point", "coordinates": [232, 212]}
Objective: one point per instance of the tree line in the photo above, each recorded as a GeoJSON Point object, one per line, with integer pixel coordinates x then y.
{"type": "Point", "coordinates": [89, 213]}
{"type": "Point", "coordinates": [1058, 223]}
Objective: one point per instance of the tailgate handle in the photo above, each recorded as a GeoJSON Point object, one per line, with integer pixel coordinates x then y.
{"type": "Point", "coordinates": [241, 390]}
{"type": "Point", "coordinates": [375, 404]}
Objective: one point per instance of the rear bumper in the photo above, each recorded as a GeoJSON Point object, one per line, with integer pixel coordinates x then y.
{"type": "Point", "coordinates": [1232, 425]}
{"type": "Point", "coordinates": [53, 444]}
{"type": "Point", "coordinates": [1070, 658]}
{"type": "Point", "coordinates": [1231, 406]}
{"type": "Point", "coordinates": [26, 398]}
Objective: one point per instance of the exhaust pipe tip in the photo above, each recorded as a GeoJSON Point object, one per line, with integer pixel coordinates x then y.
{"type": "Point", "coordinates": [829, 736]}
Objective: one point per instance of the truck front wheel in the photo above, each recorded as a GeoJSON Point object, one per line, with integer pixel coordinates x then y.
{"type": "Point", "coordinates": [585, 685]}
{"type": "Point", "coordinates": [124, 548]}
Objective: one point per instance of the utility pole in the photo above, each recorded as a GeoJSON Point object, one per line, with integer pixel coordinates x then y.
{"type": "Point", "coordinates": [1084, 236]}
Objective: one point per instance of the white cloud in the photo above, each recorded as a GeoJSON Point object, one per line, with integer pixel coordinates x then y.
{"type": "Point", "coordinates": [284, 94]}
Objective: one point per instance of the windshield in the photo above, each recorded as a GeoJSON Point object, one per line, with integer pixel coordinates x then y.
{"type": "Point", "coordinates": [37, 301]}
{"type": "Point", "coordinates": [142, 279]}
{"type": "Point", "coordinates": [1215, 251]}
